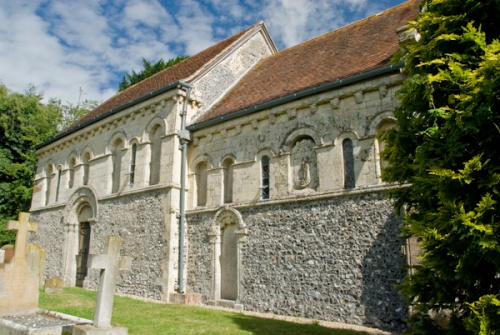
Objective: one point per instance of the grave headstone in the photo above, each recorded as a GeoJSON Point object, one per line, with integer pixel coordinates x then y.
{"type": "Point", "coordinates": [109, 264]}
{"type": "Point", "coordinates": [54, 285]}
{"type": "Point", "coordinates": [19, 278]}
{"type": "Point", "coordinates": [8, 252]}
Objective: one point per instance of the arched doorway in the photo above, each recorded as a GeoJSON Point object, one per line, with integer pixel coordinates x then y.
{"type": "Point", "coordinates": [228, 263]}
{"type": "Point", "coordinates": [226, 237]}
{"type": "Point", "coordinates": [80, 216]}
{"type": "Point", "coordinates": [83, 244]}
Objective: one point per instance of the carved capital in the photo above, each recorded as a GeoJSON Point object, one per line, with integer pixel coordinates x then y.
{"type": "Point", "coordinates": [358, 97]}
{"type": "Point", "coordinates": [335, 103]}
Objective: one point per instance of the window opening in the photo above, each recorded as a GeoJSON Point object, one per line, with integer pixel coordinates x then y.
{"type": "Point", "coordinates": [201, 184]}
{"type": "Point", "coordinates": [117, 164]}
{"type": "Point", "coordinates": [155, 163]}
{"type": "Point", "coordinates": [49, 182]}
{"type": "Point", "coordinates": [132, 164]}
{"type": "Point", "coordinates": [86, 168]}
{"type": "Point", "coordinates": [264, 162]}
{"type": "Point", "coordinates": [348, 154]}
{"type": "Point", "coordinates": [228, 180]}
{"type": "Point", "coordinates": [71, 172]}
{"type": "Point", "coordinates": [58, 183]}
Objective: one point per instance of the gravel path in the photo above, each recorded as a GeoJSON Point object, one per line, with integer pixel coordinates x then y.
{"type": "Point", "coordinates": [42, 319]}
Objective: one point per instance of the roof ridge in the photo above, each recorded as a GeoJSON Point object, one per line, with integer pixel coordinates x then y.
{"type": "Point", "coordinates": [355, 23]}
{"type": "Point", "coordinates": [356, 48]}
{"type": "Point", "coordinates": [242, 34]}
{"type": "Point", "coordinates": [178, 72]}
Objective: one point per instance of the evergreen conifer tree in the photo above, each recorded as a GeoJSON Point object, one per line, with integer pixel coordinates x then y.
{"type": "Point", "coordinates": [446, 155]}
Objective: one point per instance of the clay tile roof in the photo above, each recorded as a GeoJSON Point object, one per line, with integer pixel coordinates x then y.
{"type": "Point", "coordinates": [178, 72]}
{"type": "Point", "coordinates": [357, 48]}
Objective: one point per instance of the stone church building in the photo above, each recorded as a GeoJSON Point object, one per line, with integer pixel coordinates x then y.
{"type": "Point", "coordinates": [243, 176]}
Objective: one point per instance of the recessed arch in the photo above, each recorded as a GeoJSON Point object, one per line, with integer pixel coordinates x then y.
{"type": "Point", "coordinates": [265, 152]}
{"type": "Point", "coordinates": [348, 141]}
{"type": "Point", "coordinates": [227, 234]}
{"type": "Point", "coordinates": [72, 162]}
{"type": "Point", "coordinates": [152, 124]}
{"type": "Point", "coordinates": [380, 143]}
{"type": "Point", "coordinates": [202, 158]}
{"type": "Point", "coordinates": [155, 139]}
{"type": "Point", "coordinates": [81, 212]}
{"type": "Point", "coordinates": [118, 135]}
{"type": "Point", "coordinates": [50, 171]}
{"type": "Point", "coordinates": [86, 157]}
{"type": "Point", "coordinates": [374, 123]}
{"type": "Point", "coordinates": [227, 165]}
{"type": "Point", "coordinates": [297, 135]}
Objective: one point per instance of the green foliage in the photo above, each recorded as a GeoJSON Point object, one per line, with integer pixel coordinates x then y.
{"type": "Point", "coordinates": [72, 112]}
{"type": "Point", "coordinates": [24, 123]}
{"type": "Point", "coordinates": [149, 69]}
{"type": "Point", "coordinates": [485, 318]}
{"type": "Point", "coordinates": [446, 147]}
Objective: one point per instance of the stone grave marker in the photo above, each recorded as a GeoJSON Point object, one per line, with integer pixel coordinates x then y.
{"type": "Point", "coordinates": [19, 278]}
{"type": "Point", "coordinates": [109, 264]}
{"type": "Point", "coordinates": [54, 285]}
{"type": "Point", "coordinates": [8, 252]}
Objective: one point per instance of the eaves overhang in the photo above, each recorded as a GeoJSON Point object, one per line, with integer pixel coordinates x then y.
{"type": "Point", "coordinates": [297, 95]}
{"type": "Point", "coordinates": [113, 111]}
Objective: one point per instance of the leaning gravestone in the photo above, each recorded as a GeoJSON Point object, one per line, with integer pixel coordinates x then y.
{"type": "Point", "coordinates": [109, 264]}
{"type": "Point", "coordinates": [19, 282]}
{"type": "Point", "coordinates": [19, 278]}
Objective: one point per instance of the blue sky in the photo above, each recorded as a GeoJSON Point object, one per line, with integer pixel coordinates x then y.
{"type": "Point", "coordinates": [71, 49]}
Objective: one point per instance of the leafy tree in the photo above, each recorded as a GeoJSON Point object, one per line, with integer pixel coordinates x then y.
{"type": "Point", "coordinates": [25, 122]}
{"type": "Point", "coordinates": [149, 69]}
{"type": "Point", "coordinates": [446, 151]}
{"type": "Point", "coordinates": [71, 112]}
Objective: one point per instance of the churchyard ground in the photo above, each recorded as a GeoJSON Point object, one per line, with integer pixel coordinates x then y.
{"type": "Point", "coordinates": [147, 318]}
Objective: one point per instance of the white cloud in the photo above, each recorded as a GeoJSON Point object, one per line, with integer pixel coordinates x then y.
{"type": "Point", "coordinates": [195, 22]}
{"type": "Point", "coordinates": [61, 46]}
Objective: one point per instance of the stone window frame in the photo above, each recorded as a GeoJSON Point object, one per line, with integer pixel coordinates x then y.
{"type": "Point", "coordinates": [194, 175]}
{"type": "Point", "coordinates": [157, 123]}
{"type": "Point", "coordinates": [372, 131]}
{"type": "Point", "coordinates": [339, 142]}
{"type": "Point", "coordinates": [227, 165]}
{"type": "Point", "coordinates": [134, 145]}
{"type": "Point", "coordinates": [86, 164]}
{"type": "Point", "coordinates": [59, 170]}
{"type": "Point", "coordinates": [379, 146]}
{"type": "Point", "coordinates": [258, 158]}
{"type": "Point", "coordinates": [72, 163]}
{"type": "Point", "coordinates": [49, 172]}
{"type": "Point", "coordinates": [226, 216]}
{"type": "Point", "coordinates": [116, 180]}
{"type": "Point", "coordinates": [286, 149]}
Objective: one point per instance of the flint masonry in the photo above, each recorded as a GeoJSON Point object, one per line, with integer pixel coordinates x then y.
{"type": "Point", "coordinates": [244, 175]}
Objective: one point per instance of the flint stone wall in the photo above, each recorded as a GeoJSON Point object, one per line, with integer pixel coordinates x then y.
{"type": "Point", "coordinates": [335, 260]}
{"type": "Point", "coordinates": [138, 219]}
{"type": "Point", "coordinates": [50, 237]}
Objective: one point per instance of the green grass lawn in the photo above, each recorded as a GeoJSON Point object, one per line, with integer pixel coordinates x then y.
{"type": "Point", "coordinates": [147, 318]}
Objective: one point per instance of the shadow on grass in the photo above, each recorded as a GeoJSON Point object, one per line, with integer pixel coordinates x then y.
{"type": "Point", "coordinates": [147, 318]}
{"type": "Point", "coordinates": [264, 326]}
